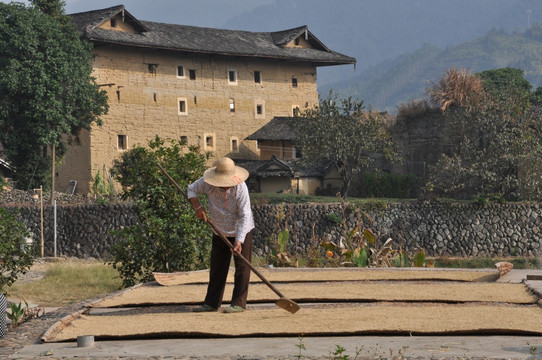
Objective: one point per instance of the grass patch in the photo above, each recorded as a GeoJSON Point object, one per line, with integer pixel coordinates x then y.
{"type": "Point", "coordinates": [68, 282]}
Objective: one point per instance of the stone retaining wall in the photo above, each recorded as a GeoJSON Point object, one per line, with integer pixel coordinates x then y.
{"type": "Point", "coordinates": [449, 229]}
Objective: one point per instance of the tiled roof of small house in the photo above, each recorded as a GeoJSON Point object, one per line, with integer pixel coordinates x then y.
{"type": "Point", "coordinates": [206, 40]}
{"type": "Point", "coordinates": [276, 129]}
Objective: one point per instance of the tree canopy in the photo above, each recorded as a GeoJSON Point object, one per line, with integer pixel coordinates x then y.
{"type": "Point", "coordinates": [49, 95]}
{"type": "Point", "coordinates": [505, 81]}
{"type": "Point", "coordinates": [168, 236]}
{"type": "Point", "coordinates": [343, 134]}
{"type": "Point", "coordinates": [498, 144]}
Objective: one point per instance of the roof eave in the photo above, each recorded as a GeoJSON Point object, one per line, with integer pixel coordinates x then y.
{"type": "Point", "coordinates": [316, 62]}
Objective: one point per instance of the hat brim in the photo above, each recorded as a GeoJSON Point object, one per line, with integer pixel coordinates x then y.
{"type": "Point", "coordinates": [211, 177]}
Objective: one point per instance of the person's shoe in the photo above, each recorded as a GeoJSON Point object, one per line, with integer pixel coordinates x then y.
{"type": "Point", "coordinates": [233, 309]}
{"type": "Point", "coordinates": [205, 308]}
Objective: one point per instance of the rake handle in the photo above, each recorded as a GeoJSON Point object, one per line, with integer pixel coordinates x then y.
{"type": "Point", "coordinates": [226, 241]}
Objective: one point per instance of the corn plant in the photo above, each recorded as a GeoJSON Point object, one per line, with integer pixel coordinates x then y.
{"type": "Point", "coordinates": [279, 253]}
{"type": "Point", "coordinates": [16, 315]}
{"type": "Point", "coordinates": [359, 247]}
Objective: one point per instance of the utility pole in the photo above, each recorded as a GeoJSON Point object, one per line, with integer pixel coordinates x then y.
{"type": "Point", "coordinates": [528, 18]}
{"type": "Point", "coordinates": [53, 176]}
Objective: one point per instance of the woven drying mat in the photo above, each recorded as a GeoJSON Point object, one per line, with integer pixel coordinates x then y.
{"type": "Point", "coordinates": [363, 291]}
{"type": "Point", "coordinates": [338, 274]}
{"type": "Point", "coordinates": [351, 319]}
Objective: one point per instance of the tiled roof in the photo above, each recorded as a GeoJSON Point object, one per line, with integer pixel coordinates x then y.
{"type": "Point", "coordinates": [206, 40]}
{"type": "Point", "coordinates": [276, 129]}
{"type": "Point", "coordinates": [286, 167]}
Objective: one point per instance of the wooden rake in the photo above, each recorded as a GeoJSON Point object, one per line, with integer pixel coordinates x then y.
{"type": "Point", "coordinates": [285, 303]}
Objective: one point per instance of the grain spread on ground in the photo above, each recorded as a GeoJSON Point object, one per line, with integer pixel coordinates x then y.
{"type": "Point", "coordinates": [333, 301]}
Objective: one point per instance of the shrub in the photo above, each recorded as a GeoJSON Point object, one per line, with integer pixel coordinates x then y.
{"type": "Point", "coordinates": [413, 109]}
{"type": "Point", "coordinates": [168, 236]}
{"type": "Point", "coordinates": [15, 254]}
{"type": "Point", "coordinates": [385, 185]}
{"type": "Point", "coordinates": [455, 89]}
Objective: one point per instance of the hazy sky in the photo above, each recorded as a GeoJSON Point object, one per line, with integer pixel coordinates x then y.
{"type": "Point", "coordinates": [208, 13]}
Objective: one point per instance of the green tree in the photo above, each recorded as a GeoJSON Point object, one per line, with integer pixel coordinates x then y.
{"type": "Point", "coordinates": [509, 83]}
{"type": "Point", "coordinates": [15, 255]}
{"type": "Point", "coordinates": [536, 96]}
{"type": "Point", "coordinates": [168, 236]}
{"type": "Point", "coordinates": [506, 82]}
{"type": "Point", "coordinates": [343, 134]}
{"type": "Point", "coordinates": [48, 94]}
{"type": "Point", "coordinates": [499, 144]}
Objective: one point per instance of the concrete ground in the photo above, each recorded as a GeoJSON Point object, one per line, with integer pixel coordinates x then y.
{"type": "Point", "coordinates": [370, 347]}
{"type": "Point", "coordinates": [355, 347]}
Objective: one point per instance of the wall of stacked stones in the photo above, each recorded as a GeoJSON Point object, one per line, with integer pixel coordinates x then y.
{"type": "Point", "coordinates": [81, 230]}
{"type": "Point", "coordinates": [441, 229]}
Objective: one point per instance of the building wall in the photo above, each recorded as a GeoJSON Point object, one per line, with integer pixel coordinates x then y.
{"type": "Point", "coordinates": [281, 149]}
{"type": "Point", "coordinates": [306, 185]}
{"type": "Point", "coordinates": [144, 93]}
{"type": "Point", "coordinates": [76, 166]}
{"type": "Point", "coordinates": [273, 184]}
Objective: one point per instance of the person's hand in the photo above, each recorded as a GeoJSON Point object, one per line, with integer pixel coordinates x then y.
{"type": "Point", "coordinates": [237, 247]}
{"type": "Point", "coordinates": [200, 213]}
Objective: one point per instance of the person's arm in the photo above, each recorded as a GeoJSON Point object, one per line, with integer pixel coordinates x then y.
{"type": "Point", "coordinates": [193, 190]}
{"type": "Point", "coordinates": [245, 222]}
{"type": "Point", "coordinates": [200, 211]}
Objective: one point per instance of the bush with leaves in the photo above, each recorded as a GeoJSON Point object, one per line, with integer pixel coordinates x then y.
{"type": "Point", "coordinates": [168, 236]}
{"type": "Point", "coordinates": [341, 133]}
{"type": "Point", "coordinates": [15, 255]}
{"type": "Point", "coordinates": [499, 146]}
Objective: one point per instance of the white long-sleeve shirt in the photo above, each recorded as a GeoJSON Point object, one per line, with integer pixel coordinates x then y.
{"type": "Point", "coordinates": [228, 209]}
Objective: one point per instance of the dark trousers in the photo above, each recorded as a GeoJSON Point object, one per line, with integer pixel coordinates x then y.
{"type": "Point", "coordinates": [220, 264]}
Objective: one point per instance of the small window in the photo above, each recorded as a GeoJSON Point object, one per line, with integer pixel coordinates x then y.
{"type": "Point", "coordinates": [294, 82]}
{"type": "Point", "coordinates": [184, 139]}
{"type": "Point", "coordinates": [234, 145]}
{"type": "Point", "coordinates": [232, 77]}
{"type": "Point", "coordinates": [152, 68]}
{"type": "Point", "coordinates": [180, 72]}
{"type": "Point", "coordinates": [192, 74]}
{"type": "Point", "coordinates": [259, 109]}
{"type": "Point", "coordinates": [122, 144]}
{"type": "Point", "coordinates": [113, 23]}
{"type": "Point", "coordinates": [182, 107]}
{"type": "Point", "coordinates": [209, 141]}
{"type": "Point", "coordinates": [296, 41]}
{"type": "Point", "coordinates": [232, 105]}
{"type": "Point", "coordinates": [257, 77]}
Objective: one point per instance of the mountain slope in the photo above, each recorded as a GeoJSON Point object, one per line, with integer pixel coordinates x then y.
{"type": "Point", "coordinates": [408, 76]}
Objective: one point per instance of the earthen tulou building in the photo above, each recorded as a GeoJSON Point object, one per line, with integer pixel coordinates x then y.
{"type": "Point", "coordinates": [209, 87]}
